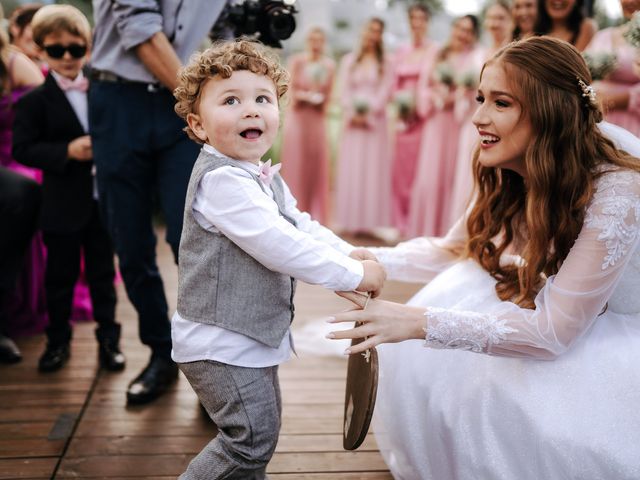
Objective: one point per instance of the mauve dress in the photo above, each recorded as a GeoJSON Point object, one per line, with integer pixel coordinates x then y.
{"type": "Point", "coordinates": [363, 177]}
{"type": "Point", "coordinates": [305, 148]}
{"type": "Point", "coordinates": [621, 79]}
{"type": "Point", "coordinates": [431, 196]}
{"type": "Point", "coordinates": [407, 140]}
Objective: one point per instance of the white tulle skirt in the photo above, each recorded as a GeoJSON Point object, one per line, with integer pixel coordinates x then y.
{"type": "Point", "coordinates": [452, 414]}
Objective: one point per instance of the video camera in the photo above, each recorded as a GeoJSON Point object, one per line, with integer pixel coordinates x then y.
{"type": "Point", "coordinates": [268, 20]}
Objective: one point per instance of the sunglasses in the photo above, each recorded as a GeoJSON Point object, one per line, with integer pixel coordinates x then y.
{"type": "Point", "coordinates": [57, 51]}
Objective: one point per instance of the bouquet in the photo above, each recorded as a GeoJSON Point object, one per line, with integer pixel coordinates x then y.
{"type": "Point", "coordinates": [444, 74]}
{"type": "Point", "coordinates": [361, 105]}
{"type": "Point", "coordinates": [405, 102]}
{"type": "Point", "coordinates": [316, 72]}
{"type": "Point", "coordinates": [468, 79]}
{"type": "Point", "coordinates": [633, 33]}
{"type": "Point", "coordinates": [600, 64]}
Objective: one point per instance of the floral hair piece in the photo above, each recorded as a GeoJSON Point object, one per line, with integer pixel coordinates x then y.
{"type": "Point", "coordinates": [588, 92]}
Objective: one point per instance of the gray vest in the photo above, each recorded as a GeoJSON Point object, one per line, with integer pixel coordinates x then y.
{"type": "Point", "coordinates": [220, 284]}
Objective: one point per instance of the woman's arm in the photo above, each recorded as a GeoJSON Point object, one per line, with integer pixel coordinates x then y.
{"type": "Point", "coordinates": [566, 307]}
{"type": "Point", "coordinates": [25, 73]}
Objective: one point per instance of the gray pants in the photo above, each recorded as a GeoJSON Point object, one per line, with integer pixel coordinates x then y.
{"type": "Point", "coordinates": [245, 405]}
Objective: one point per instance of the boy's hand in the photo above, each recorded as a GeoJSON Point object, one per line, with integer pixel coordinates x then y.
{"type": "Point", "coordinates": [373, 279]}
{"type": "Point", "coordinates": [362, 254]}
{"type": "Point", "coordinates": [80, 149]}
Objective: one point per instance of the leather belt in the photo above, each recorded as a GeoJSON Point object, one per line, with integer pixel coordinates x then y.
{"type": "Point", "coordinates": [104, 76]}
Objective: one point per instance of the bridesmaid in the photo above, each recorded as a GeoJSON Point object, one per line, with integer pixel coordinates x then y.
{"type": "Point", "coordinates": [25, 306]}
{"type": "Point", "coordinates": [408, 62]}
{"type": "Point", "coordinates": [305, 154]}
{"type": "Point", "coordinates": [431, 203]}
{"type": "Point", "coordinates": [525, 16]}
{"type": "Point", "coordinates": [620, 91]}
{"type": "Point", "coordinates": [363, 185]}
{"type": "Point", "coordinates": [565, 20]}
{"type": "Point", "coordinates": [499, 24]}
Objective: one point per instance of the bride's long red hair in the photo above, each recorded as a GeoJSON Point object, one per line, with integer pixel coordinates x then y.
{"type": "Point", "coordinates": [544, 214]}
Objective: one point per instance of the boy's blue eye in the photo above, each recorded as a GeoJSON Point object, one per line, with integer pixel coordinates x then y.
{"type": "Point", "coordinates": [231, 101]}
{"type": "Point", "coordinates": [262, 99]}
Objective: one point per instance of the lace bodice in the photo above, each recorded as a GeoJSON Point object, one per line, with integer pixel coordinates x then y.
{"type": "Point", "coordinates": [602, 271]}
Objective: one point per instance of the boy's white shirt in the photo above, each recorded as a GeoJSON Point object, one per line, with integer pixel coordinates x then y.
{"type": "Point", "coordinates": [229, 200]}
{"type": "Point", "coordinates": [78, 101]}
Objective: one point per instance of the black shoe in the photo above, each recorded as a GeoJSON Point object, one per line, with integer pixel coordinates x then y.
{"type": "Point", "coordinates": [9, 352]}
{"type": "Point", "coordinates": [54, 357]}
{"type": "Point", "coordinates": [154, 380]}
{"type": "Point", "coordinates": [111, 358]}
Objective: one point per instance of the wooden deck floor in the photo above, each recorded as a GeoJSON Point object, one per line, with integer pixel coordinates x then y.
{"type": "Point", "coordinates": [75, 423]}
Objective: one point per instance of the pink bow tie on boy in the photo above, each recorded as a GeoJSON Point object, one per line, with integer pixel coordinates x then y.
{"type": "Point", "coordinates": [266, 171]}
{"type": "Point", "coordinates": [79, 83]}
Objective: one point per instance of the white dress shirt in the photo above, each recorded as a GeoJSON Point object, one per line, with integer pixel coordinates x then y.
{"type": "Point", "coordinates": [78, 101]}
{"type": "Point", "coordinates": [230, 201]}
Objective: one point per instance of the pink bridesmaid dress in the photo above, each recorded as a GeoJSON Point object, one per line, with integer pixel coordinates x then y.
{"type": "Point", "coordinates": [621, 79]}
{"type": "Point", "coordinates": [305, 148]}
{"type": "Point", "coordinates": [363, 182]}
{"type": "Point", "coordinates": [406, 146]}
{"type": "Point", "coordinates": [464, 109]}
{"type": "Point", "coordinates": [431, 196]}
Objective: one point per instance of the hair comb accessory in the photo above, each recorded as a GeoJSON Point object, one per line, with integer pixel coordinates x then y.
{"type": "Point", "coordinates": [588, 92]}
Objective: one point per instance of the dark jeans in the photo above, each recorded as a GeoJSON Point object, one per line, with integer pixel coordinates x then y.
{"type": "Point", "coordinates": [141, 154]}
{"type": "Point", "coordinates": [20, 200]}
{"type": "Point", "coordinates": [63, 269]}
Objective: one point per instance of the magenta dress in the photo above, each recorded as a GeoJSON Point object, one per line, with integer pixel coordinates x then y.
{"type": "Point", "coordinates": [620, 80]}
{"type": "Point", "coordinates": [407, 68]}
{"type": "Point", "coordinates": [363, 177]}
{"type": "Point", "coordinates": [431, 196]}
{"type": "Point", "coordinates": [305, 147]}
{"type": "Point", "coordinates": [26, 305]}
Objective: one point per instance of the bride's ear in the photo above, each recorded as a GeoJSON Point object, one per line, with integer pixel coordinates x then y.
{"type": "Point", "coordinates": [359, 299]}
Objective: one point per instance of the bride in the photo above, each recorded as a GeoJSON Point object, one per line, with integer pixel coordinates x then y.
{"type": "Point", "coordinates": [532, 311]}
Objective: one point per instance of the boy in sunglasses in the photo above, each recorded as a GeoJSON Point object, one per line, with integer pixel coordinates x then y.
{"type": "Point", "coordinates": [50, 133]}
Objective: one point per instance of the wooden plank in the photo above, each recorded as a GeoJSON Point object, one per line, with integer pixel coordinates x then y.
{"type": "Point", "coordinates": [138, 466]}
{"type": "Point", "coordinates": [323, 462]}
{"type": "Point", "coordinates": [332, 476]}
{"type": "Point", "coordinates": [30, 447]}
{"type": "Point", "coordinates": [27, 468]}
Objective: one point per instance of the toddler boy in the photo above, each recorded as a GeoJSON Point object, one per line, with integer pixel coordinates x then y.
{"type": "Point", "coordinates": [243, 244]}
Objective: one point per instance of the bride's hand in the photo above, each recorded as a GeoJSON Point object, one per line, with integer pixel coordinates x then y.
{"type": "Point", "coordinates": [382, 322]}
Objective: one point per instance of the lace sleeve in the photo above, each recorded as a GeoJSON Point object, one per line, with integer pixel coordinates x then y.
{"type": "Point", "coordinates": [570, 301]}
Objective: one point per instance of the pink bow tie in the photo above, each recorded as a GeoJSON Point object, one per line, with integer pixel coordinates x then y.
{"type": "Point", "coordinates": [80, 83]}
{"type": "Point", "coordinates": [266, 171]}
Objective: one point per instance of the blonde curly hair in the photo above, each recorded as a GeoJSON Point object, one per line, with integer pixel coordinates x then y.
{"type": "Point", "coordinates": [224, 58]}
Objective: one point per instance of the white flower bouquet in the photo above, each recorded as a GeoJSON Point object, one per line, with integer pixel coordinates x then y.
{"type": "Point", "coordinates": [633, 33]}
{"type": "Point", "coordinates": [600, 64]}
{"type": "Point", "coordinates": [361, 105]}
{"type": "Point", "coordinates": [405, 103]}
{"type": "Point", "coordinates": [468, 79]}
{"type": "Point", "coordinates": [443, 73]}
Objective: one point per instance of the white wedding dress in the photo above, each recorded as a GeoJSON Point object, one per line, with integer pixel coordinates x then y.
{"type": "Point", "coordinates": [518, 394]}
